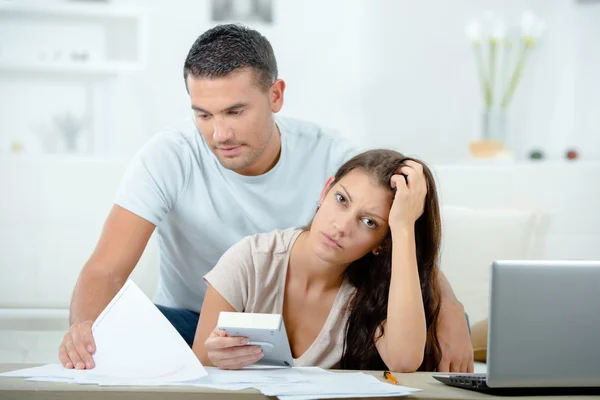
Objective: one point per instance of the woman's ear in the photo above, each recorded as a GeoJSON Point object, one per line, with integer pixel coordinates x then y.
{"type": "Point", "coordinates": [325, 190]}
{"type": "Point", "coordinates": [385, 245]}
{"type": "Point", "coordinates": [377, 250]}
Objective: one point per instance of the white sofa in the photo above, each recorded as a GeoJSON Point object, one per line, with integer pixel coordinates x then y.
{"type": "Point", "coordinates": [53, 210]}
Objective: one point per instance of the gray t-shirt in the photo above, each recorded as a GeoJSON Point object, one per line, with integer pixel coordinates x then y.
{"type": "Point", "coordinates": [201, 209]}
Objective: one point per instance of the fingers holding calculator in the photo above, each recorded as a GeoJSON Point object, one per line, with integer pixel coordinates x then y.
{"type": "Point", "coordinates": [231, 352]}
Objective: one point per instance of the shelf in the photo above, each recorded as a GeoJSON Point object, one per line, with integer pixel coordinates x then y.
{"type": "Point", "coordinates": [62, 158]}
{"type": "Point", "coordinates": [71, 38]}
{"type": "Point", "coordinates": [66, 10]}
{"type": "Point", "coordinates": [107, 68]}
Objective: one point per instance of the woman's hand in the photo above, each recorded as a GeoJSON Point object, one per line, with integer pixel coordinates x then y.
{"type": "Point", "coordinates": [231, 352]}
{"type": "Point", "coordinates": [409, 201]}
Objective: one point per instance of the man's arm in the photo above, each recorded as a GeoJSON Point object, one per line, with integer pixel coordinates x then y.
{"type": "Point", "coordinates": [121, 244]}
{"type": "Point", "coordinates": [448, 296]}
{"type": "Point", "coordinates": [453, 331]}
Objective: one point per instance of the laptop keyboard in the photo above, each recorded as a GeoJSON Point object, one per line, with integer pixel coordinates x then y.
{"type": "Point", "coordinates": [475, 381]}
{"type": "Point", "coordinates": [470, 377]}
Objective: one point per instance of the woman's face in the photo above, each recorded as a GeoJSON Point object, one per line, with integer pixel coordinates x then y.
{"type": "Point", "coordinates": [352, 218]}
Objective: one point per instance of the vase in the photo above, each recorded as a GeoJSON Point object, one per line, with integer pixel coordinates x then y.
{"type": "Point", "coordinates": [492, 144]}
{"type": "Point", "coordinates": [493, 125]}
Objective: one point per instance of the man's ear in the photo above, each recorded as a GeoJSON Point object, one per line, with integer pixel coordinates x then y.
{"type": "Point", "coordinates": [326, 188]}
{"type": "Point", "coordinates": [276, 94]}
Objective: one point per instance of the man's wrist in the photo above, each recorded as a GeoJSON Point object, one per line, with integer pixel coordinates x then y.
{"type": "Point", "coordinates": [452, 304]}
{"type": "Point", "coordinates": [79, 321]}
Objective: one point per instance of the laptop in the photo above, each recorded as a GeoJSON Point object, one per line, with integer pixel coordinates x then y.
{"type": "Point", "coordinates": [544, 330]}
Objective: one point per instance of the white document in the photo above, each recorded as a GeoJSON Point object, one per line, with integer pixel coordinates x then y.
{"type": "Point", "coordinates": [136, 345]}
{"type": "Point", "coordinates": [335, 385]}
{"type": "Point", "coordinates": [300, 383]}
{"type": "Point", "coordinates": [44, 371]}
{"type": "Point", "coordinates": [255, 376]}
{"type": "Point", "coordinates": [55, 380]}
{"type": "Point", "coordinates": [135, 341]}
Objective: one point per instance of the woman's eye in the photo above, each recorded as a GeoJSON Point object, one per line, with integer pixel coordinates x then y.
{"type": "Point", "coordinates": [369, 223]}
{"type": "Point", "coordinates": [340, 198]}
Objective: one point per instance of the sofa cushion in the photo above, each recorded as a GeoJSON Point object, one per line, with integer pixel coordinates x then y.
{"type": "Point", "coordinates": [472, 239]}
{"type": "Point", "coordinates": [479, 333]}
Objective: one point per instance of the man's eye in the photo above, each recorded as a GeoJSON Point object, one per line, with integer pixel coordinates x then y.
{"type": "Point", "coordinates": [236, 112]}
{"type": "Point", "coordinates": [202, 116]}
{"type": "Point", "coordinates": [369, 223]}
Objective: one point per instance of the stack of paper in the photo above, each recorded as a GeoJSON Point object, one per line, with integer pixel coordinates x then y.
{"type": "Point", "coordinates": [137, 346]}
{"type": "Point", "coordinates": [286, 383]}
{"type": "Point", "coordinates": [322, 384]}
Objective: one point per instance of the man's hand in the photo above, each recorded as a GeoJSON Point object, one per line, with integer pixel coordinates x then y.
{"type": "Point", "coordinates": [454, 338]}
{"type": "Point", "coordinates": [77, 347]}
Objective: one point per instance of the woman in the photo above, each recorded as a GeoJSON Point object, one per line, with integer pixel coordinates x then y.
{"type": "Point", "coordinates": [356, 288]}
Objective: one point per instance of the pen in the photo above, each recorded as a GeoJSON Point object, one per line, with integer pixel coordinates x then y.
{"type": "Point", "coordinates": [388, 375]}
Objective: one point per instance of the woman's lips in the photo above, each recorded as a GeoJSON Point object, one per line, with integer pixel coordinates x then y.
{"type": "Point", "coordinates": [331, 241]}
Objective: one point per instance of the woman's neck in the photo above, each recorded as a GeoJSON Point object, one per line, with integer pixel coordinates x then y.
{"type": "Point", "coordinates": [311, 272]}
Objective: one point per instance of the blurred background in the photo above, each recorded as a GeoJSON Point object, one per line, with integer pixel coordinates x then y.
{"type": "Point", "coordinates": [500, 97]}
{"type": "Point", "coordinates": [99, 77]}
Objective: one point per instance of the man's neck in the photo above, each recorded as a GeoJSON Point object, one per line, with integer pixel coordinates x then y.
{"type": "Point", "coordinates": [268, 158]}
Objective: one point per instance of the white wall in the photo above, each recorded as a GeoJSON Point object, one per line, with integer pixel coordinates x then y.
{"type": "Point", "coordinates": [322, 66]}
{"type": "Point", "coordinates": [394, 73]}
{"type": "Point", "coordinates": [424, 89]}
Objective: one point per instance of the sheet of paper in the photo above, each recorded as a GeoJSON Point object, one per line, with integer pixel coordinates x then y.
{"type": "Point", "coordinates": [59, 380]}
{"type": "Point", "coordinates": [216, 378]}
{"type": "Point", "coordinates": [255, 376]}
{"type": "Point", "coordinates": [136, 345]}
{"type": "Point", "coordinates": [341, 396]}
{"type": "Point", "coordinates": [135, 341]}
{"type": "Point", "coordinates": [104, 381]}
{"type": "Point", "coordinates": [336, 386]}
{"type": "Point", "coordinates": [317, 372]}
{"type": "Point", "coordinates": [43, 371]}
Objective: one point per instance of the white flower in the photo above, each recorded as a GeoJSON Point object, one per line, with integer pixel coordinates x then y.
{"type": "Point", "coordinates": [494, 26]}
{"type": "Point", "coordinates": [532, 27]}
{"type": "Point", "coordinates": [474, 32]}
{"type": "Point", "coordinates": [498, 31]}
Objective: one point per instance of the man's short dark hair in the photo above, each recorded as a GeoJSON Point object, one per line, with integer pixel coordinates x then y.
{"type": "Point", "coordinates": [225, 48]}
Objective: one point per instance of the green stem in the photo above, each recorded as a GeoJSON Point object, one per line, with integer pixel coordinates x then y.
{"type": "Point", "coordinates": [516, 76]}
{"type": "Point", "coordinates": [506, 61]}
{"type": "Point", "coordinates": [492, 77]}
{"type": "Point", "coordinates": [482, 78]}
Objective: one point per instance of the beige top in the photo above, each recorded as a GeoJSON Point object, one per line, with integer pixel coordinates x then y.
{"type": "Point", "coordinates": [251, 277]}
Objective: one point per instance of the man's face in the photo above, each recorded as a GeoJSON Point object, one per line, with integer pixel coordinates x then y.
{"type": "Point", "coordinates": [235, 116]}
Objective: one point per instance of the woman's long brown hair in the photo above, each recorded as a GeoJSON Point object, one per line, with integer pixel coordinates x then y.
{"type": "Point", "coordinates": [371, 274]}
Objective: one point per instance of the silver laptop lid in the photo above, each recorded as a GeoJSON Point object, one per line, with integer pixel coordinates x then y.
{"type": "Point", "coordinates": [544, 324]}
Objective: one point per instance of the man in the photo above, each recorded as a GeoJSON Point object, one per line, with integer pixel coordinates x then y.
{"type": "Point", "coordinates": [231, 171]}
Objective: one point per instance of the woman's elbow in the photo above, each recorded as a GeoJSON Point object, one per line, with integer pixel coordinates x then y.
{"type": "Point", "coordinates": [407, 359]}
{"type": "Point", "coordinates": [407, 364]}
